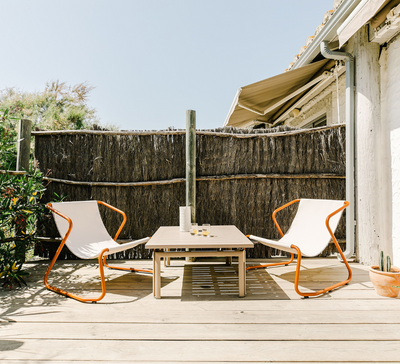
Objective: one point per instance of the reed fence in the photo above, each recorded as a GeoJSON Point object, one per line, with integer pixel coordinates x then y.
{"type": "Point", "coordinates": [242, 177]}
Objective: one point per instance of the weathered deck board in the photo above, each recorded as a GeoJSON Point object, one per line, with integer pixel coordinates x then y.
{"type": "Point", "coordinates": [188, 350]}
{"type": "Point", "coordinates": [201, 332]}
{"type": "Point", "coordinates": [200, 318]}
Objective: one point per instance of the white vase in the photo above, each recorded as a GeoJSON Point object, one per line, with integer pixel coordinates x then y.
{"type": "Point", "coordinates": [185, 218]}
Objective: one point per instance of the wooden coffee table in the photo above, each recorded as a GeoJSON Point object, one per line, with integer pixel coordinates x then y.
{"type": "Point", "coordinates": [226, 237]}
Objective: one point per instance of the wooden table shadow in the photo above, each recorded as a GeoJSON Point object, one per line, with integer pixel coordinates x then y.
{"type": "Point", "coordinates": [220, 282]}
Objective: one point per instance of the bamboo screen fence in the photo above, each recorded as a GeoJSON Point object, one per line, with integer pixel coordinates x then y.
{"type": "Point", "coordinates": [241, 177]}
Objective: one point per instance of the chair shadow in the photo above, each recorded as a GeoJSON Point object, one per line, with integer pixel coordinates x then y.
{"type": "Point", "coordinates": [10, 345]}
{"type": "Point", "coordinates": [202, 282]}
{"type": "Point", "coordinates": [133, 285]}
{"type": "Point", "coordinates": [81, 278]}
{"type": "Point", "coordinates": [314, 279]}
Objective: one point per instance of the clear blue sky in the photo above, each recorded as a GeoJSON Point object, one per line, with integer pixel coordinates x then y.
{"type": "Point", "coordinates": [151, 60]}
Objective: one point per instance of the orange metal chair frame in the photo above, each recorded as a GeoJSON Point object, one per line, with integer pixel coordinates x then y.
{"type": "Point", "coordinates": [298, 265]}
{"type": "Point", "coordinates": [102, 258]}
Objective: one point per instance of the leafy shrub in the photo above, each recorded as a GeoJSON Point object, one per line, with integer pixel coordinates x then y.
{"type": "Point", "coordinates": [19, 208]}
{"type": "Point", "coordinates": [58, 107]}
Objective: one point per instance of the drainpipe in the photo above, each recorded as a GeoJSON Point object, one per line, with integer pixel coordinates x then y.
{"type": "Point", "coordinates": [350, 211]}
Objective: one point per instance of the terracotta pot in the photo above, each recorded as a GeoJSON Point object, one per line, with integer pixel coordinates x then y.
{"type": "Point", "coordinates": [384, 281]}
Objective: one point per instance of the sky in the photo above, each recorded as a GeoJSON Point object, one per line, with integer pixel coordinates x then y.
{"type": "Point", "coordinates": [151, 60]}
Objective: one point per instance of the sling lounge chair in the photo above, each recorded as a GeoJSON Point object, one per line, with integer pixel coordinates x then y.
{"type": "Point", "coordinates": [309, 234]}
{"type": "Point", "coordinates": [83, 231]}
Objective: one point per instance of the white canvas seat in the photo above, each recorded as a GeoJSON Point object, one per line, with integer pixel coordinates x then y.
{"type": "Point", "coordinates": [83, 232]}
{"type": "Point", "coordinates": [309, 234]}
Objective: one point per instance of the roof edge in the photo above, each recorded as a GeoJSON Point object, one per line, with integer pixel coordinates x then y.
{"type": "Point", "coordinates": [328, 32]}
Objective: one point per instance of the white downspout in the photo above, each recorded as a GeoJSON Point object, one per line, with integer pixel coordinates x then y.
{"type": "Point", "coordinates": [350, 215]}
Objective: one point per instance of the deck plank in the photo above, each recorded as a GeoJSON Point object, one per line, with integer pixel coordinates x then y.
{"type": "Point", "coordinates": [201, 332]}
{"type": "Point", "coordinates": [200, 318]}
{"type": "Point", "coordinates": [202, 351]}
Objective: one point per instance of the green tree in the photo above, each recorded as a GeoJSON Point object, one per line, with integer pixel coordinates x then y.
{"type": "Point", "coordinates": [58, 107]}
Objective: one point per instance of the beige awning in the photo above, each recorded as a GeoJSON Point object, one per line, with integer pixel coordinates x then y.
{"type": "Point", "coordinates": [261, 100]}
{"type": "Point", "coordinates": [360, 16]}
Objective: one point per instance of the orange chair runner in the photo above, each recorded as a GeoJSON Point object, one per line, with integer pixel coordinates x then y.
{"type": "Point", "coordinates": [309, 234]}
{"type": "Point", "coordinates": [84, 233]}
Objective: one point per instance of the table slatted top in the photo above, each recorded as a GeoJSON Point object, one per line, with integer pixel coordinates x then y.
{"type": "Point", "coordinates": [222, 236]}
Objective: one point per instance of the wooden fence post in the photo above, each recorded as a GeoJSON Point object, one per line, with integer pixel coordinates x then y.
{"type": "Point", "coordinates": [191, 167]}
{"type": "Point", "coordinates": [24, 144]}
{"type": "Point", "coordinates": [191, 162]}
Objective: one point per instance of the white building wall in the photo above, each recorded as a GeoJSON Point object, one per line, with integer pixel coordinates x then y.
{"type": "Point", "coordinates": [390, 68]}
{"type": "Point", "coordinates": [378, 134]}
{"type": "Point", "coordinates": [339, 115]}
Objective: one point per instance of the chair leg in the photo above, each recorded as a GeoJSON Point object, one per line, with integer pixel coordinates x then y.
{"type": "Point", "coordinates": [68, 294]}
{"type": "Point", "coordinates": [122, 268]}
{"type": "Point", "coordinates": [327, 289]}
{"type": "Point", "coordinates": [272, 264]}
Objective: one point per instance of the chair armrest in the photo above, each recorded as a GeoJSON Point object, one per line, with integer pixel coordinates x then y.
{"type": "Point", "coordinates": [49, 206]}
{"type": "Point", "coordinates": [120, 212]}
{"type": "Point", "coordinates": [345, 204]}
{"type": "Point", "coordinates": [279, 209]}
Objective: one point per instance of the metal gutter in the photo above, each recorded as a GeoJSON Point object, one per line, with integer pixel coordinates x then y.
{"type": "Point", "coordinates": [328, 32]}
{"type": "Point", "coordinates": [320, 45]}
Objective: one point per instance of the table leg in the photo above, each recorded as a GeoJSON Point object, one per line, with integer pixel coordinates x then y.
{"type": "Point", "coordinates": [154, 271]}
{"type": "Point", "coordinates": [167, 260]}
{"type": "Point", "coordinates": [242, 273]}
{"type": "Point", "coordinates": [157, 275]}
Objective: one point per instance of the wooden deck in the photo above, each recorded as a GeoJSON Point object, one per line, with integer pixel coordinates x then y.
{"type": "Point", "coordinates": [200, 318]}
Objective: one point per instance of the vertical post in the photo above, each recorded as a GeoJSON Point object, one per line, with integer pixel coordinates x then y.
{"type": "Point", "coordinates": [24, 144]}
{"type": "Point", "coordinates": [191, 162]}
{"type": "Point", "coordinates": [191, 166]}
{"type": "Point", "coordinates": [23, 153]}
{"type": "Point", "coordinates": [372, 208]}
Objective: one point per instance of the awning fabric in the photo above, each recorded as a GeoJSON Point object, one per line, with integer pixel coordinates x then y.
{"type": "Point", "coordinates": [265, 94]}
{"type": "Point", "coordinates": [360, 16]}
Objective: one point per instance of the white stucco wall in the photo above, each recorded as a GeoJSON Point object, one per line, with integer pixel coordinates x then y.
{"type": "Point", "coordinates": [395, 149]}
{"type": "Point", "coordinates": [391, 116]}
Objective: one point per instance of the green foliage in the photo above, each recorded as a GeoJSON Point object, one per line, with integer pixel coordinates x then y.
{"type": "Point", "coordinates": [11, 273]}
{"type": "Point", "coordinates": [19, 207]}
{"type": "Point", "coordinates": [58, 107]}
{"type": "Point", "coordinates": [8, 135]}
{"type": "Point", "coordinates": [19, 212]}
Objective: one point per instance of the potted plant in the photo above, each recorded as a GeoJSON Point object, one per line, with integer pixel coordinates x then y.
{"type": "Point", "coordinates": [385, 277]}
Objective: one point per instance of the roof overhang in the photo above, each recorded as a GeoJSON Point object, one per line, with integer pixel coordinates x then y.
{"type": "Point", "coordinates": [260, 101]}
{"type": "Point", "coordinates": [366, 10]}
{"type": "Point", "coordinates": [328, 32]}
